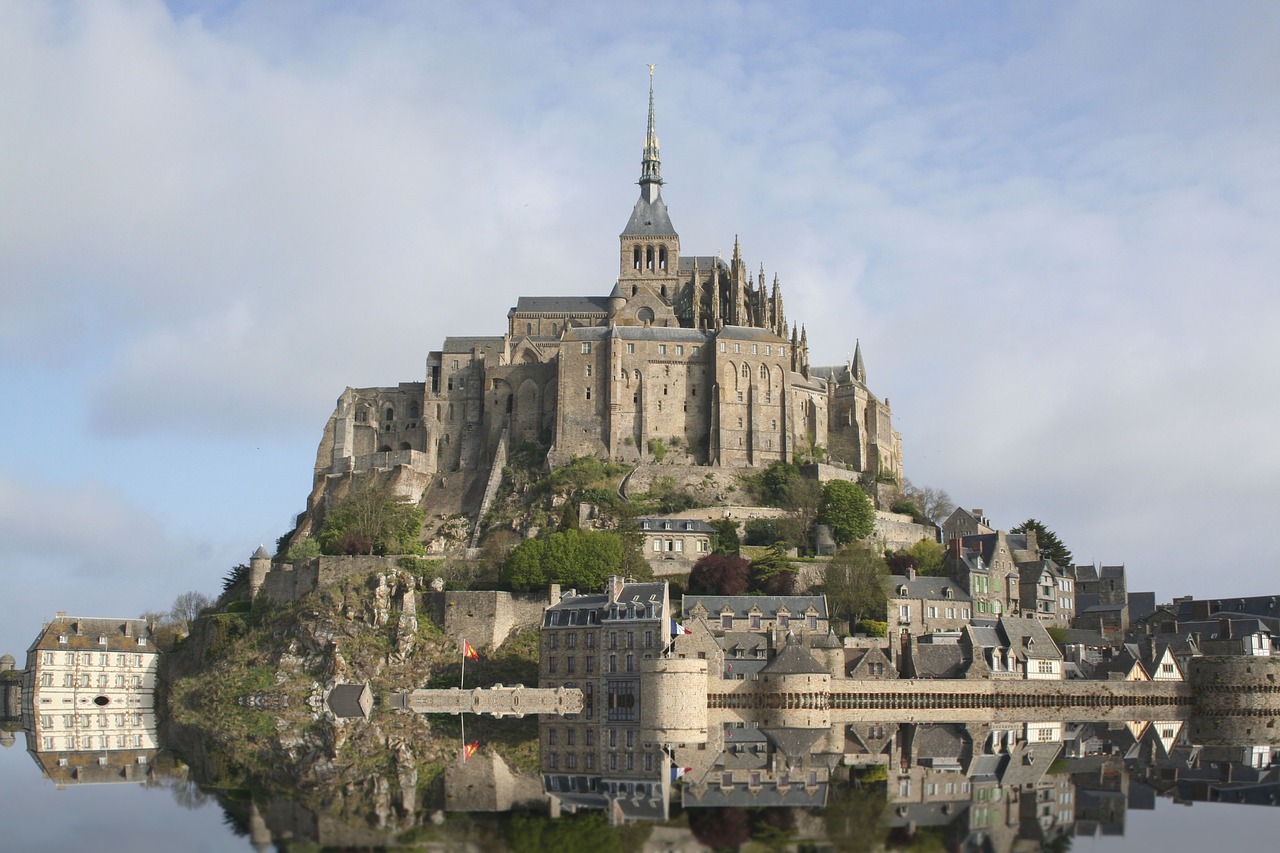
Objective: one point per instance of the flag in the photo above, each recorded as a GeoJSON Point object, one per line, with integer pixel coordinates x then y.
{"type": "Point", "coordinates": [470, 749]}
{"type": "Point", "coordinates": [677, 629]}
{"type": "Point", "coordinates": [469, 651]}
{"type": "Point", "coordinates": [677, 772]}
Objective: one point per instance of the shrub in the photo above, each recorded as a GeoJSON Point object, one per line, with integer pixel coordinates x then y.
{"type": "Point", "coordinates": [873, 628]}
{"type": "Point", "coordinates": [657, 449]}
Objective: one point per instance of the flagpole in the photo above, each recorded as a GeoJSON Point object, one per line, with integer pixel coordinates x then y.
{"type": "Point", "coordinates": [462, 683]}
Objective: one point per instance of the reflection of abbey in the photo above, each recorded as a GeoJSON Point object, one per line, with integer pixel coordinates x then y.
{"type": "Point", "coordinates": [693, 351]}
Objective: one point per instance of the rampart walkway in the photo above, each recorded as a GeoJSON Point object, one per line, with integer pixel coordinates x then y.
{"type": "Point", "coordinates": [497, 701]}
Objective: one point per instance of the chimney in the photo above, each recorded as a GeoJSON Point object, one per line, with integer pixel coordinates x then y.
{"type": "Point", "coordinates": [128, 629]}
{"type": "Point", "coordinates": [613, 587]}
{"type": "Point", "coordinates": [911, 573]}
{"type": "Point", "coordinates": [553, 595]}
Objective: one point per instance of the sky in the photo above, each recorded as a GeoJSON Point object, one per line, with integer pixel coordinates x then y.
{"type": "Point", "coordinates": [1054, 228]}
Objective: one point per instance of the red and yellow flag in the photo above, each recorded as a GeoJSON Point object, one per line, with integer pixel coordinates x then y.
{"type": "Point", "coordinates": [469, 651]}
{"type": "Point", "coordinates": [470, 749]}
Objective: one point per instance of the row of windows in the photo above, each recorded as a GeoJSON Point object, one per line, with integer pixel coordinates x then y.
{"type": "Point", "coordinates": [755, 349]}
{"type": "Point", "coordinates": [755, 621]}
{"type": "Point", "coordinates": [86, 659]}
{"type": "Point", "coordinates": [677, 545]}
{"type": "Point", "coordinates": [85, 680]}
{"type": "Point", "coordinates": [70, 721]}
{"type": "Point", "coordinates": [102, 640]}
{"type": "Point", "coordinates": [102, 742]}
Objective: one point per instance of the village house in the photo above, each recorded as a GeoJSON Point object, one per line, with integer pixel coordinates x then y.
{"type": "Point", "coordinates": [1047, 592]}
{"type": "Point", "coordinates": [986, 566]}
{"type": "Point", "coordinates": [918, 605]}
{"type": "Point", "coordinates": [89, 690]}
{"type": "Point", "coordinates": [672, 545]}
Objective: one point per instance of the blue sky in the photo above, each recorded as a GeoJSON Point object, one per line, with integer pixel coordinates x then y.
{"type": "Point", "coordinates": [1052, 226]}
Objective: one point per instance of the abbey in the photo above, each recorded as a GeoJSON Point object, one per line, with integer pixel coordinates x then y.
{"type": "Point", "coordinates": [689, 351]}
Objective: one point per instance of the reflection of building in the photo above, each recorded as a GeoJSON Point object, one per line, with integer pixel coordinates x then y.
{"type": "Point", "coordinates": [608, 645]}
{"type": "Point", "coordinates": [88, 696]}
{"type": "Point", "coordinates": [88, 699]}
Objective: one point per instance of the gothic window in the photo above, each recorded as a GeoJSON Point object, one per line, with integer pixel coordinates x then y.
{"type": "Point", "coordinates": [635, 258]}
{"type": "Point", "coordinates": [764, 372]}
{"type": "Point", "coordinates": [648, 258]}
{"type": "Point", "coordinates": [662, 262]}
{"type": "Point", "coordinates": [637, 375]}
{"type": "Point", "coordinates": [745, 372]}
{"type": "Point", "coordinates": [391, 414]}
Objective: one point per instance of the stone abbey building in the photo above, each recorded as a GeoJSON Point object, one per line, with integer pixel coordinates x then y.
{"type": "Point", "coordinates": [690, 350]}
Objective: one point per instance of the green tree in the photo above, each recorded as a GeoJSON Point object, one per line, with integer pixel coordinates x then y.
{"type": "Point", "coordinates": [1051, 547]}
{"type": "Point", "coordinates": [371, 520]}
{"type": "Point", "coordinates": [802, 502]}
{"type": "Point", "coordinates": [304, 549]}
{"type": "Point", "coordinates": [930, 558]}
{"type": "Point", "coordinates": [855, 583]}
{"type": "Point", "coordinates": [772, 574]}
{"type": "Point", "coordinates": [582, 559]}
{"type": "Point", "coordinates": [856, 819]}
{"type": "Point", "coordinates": [725, 540]}
{"type": "Point", "coordinates": [847, 510]}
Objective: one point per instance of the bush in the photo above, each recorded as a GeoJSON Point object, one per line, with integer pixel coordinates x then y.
{"type": "Point", "coordinates": [718, 574]}
{"type": "Point", "coordinates": [873, 628]}
{"type": "Point", "coordinates": [240, 607]}
{"type": "Point", "coordinates": [657, 449]}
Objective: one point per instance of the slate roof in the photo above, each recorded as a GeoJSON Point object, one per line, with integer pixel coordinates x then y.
{"type": "Point", "coordinates": [83, 634]}
{"type": "Point", "coordinates": [794, 659]}
{"type": "Point", "coordinates": [927, 587]}
{"type": "Point", "coordinates": [769, 605]}
{"type": "Point", "coordinates": [749, 333]}
{"type": "Point", "coordinates": [705, 263]}
{"type": "Point", "coordinates": [661, 334]}
{"type": "Point", "coordinates": [1018, 630]}
{"type": "Point", "coordinates": [795, 744]}
{"type": "Point", "coordinates": [767, 794]}
{"type": "Point", "coordinates": [655, 524]}
{"type": "Point", "coordinates": [467, 344]}
{"type": "Point", "coordinates": [591, 305]}
{"type": "Point", "coordinates": [938, 661]}
{"type": "Point", "coordinates": [348, 701]}
{"type": "Point", "coordinates": [649, 219]}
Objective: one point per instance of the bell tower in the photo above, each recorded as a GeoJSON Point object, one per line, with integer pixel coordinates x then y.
{"type": "Point", "coordinates": [649, 261]}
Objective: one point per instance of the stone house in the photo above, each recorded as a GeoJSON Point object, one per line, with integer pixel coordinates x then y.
{"type": "Point", "coordinates": [1047, 592]}
{"type": "Point", "coordinates": [750, 629]}
{"type": "Point", "coordinates": [918, 605]}
{"type": "Point", "coordinates": [89, 686]}
{"type": "Point", "coordinates": [1017, 647]}
{"type": "Point", "coordinates": [965, 522]}
{"type": "Point", "coordinates": [985, 565]}
{"type": "Point", "coordinates": [672, 545]}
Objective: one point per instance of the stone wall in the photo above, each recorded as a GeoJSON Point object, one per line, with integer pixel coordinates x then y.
{"type": "Point", "coordinates": [285, 582]}
{"type": "Point", "coordinates": [496, 701]}
{"type": "Point", "coordinates": [486, 618]}
{"type": "Point", "coordinates": [896, 531]}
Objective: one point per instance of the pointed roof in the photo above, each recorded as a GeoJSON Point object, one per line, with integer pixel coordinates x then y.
{"type": "Point", "coordinates": [649, 217]}
{"type": "Point", "coordinates": [794, 659]}
{"type": "Point", "coordinates": [859, 369]}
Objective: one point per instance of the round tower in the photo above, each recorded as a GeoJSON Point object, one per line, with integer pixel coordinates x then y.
{"type": "Point", "coordinates": [259, 565]}
{"type": "Point", "coordinates": [673, 700]}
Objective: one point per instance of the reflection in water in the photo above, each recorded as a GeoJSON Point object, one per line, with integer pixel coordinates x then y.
{"type": "Point", "coordinates": [652, 760]}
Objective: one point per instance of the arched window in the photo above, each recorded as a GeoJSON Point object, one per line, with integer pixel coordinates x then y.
{"type": "Point", "coordinates": [764, 372]}
{"type": "Point", "coordinates": [635, 258]}
{"type": "Point", "coordinates": [746, 373]}
{"type": "Point", "coordinates": [413, 411]}
{"type": "Point", "coordinates": [404, 445]}
{"type": "Point", "coordinates": [391, 413]}
{"type": "Point", "coordinates": [662, 259]}
{"type": "Point", "coordinates": [648, 258]}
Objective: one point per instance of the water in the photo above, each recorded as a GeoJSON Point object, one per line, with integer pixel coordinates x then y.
{"type": "Point", "coordinates": [1043, 784]}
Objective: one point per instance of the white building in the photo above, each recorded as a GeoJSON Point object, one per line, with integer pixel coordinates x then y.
{"type": "Point", "coordinates": [90, 687]}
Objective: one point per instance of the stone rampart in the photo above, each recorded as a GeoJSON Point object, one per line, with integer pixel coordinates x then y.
{"type": "Point", "coordinates": [896, 531]}
{"type": "Point", "coordinates": [486, 618]}
{"type": "Point", "coordinates": [285, 582]}
{"type": "Point", "coordinates": [1236, 684]}
{"type": "Point", "coordinates": [494, 701]}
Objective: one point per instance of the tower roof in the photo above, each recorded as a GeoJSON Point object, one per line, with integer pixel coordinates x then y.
{"type": "Point", "coordinates": [649, 217]}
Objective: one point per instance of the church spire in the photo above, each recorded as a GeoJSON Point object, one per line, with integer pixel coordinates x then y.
{"type": "Point", "coordinates": [651, 165]}
{"type": "Point", "coordinates": [858, 369]}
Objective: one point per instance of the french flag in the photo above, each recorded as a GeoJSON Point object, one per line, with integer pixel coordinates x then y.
{"type": "Point", "coordinates": [677, 629]}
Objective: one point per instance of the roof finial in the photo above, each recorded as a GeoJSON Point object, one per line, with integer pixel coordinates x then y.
{"type": "Point", "coordinates": [651, 165]}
